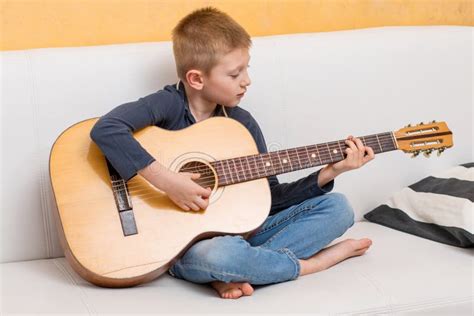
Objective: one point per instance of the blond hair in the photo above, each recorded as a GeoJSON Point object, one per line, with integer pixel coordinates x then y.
{"type": "Point", "coordinates": [203, 36]}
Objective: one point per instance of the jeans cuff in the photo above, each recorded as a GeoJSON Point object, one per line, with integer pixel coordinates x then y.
{"type": "Point", "coordinates": [293, 258]}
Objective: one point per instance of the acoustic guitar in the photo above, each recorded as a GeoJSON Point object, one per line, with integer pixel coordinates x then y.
{"type": "Point", "coordinates": [118, 234]}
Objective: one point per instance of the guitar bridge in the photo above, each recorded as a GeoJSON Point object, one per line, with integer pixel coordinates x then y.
{"type": "Point", "coordinates": [122, 202]}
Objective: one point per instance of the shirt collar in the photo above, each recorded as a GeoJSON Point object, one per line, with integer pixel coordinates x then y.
{"type": "Point", "coordinates": [182, 93]}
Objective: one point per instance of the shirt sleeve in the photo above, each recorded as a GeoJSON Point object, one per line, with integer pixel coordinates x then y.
{"type": "Point", "coordinates": [285, 195]}
{"type": "Point", "coordinates": [113, 132]}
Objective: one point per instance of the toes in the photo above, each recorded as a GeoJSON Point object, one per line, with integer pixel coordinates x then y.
{"type": "Point", "coordinates": [235, 293]}
{"type": "Point", "coordinates": [231, 293]}
{"type": "Point", "coordinates": [247, 289]}
{"type": "Point", "coordinates": [236, 290]}
{"type": "Point", "coordinates": [364, 243]}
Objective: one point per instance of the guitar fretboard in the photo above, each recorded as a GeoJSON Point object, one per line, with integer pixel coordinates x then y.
{"type": "Point", "coordinates": [246, 168]}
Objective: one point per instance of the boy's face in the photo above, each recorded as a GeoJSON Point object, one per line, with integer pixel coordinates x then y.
{"type": "Point", "coordinates": [228, 80]}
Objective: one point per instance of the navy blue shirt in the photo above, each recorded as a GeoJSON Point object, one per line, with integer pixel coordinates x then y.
{"type": "Point", "coordinates": [169, 109]}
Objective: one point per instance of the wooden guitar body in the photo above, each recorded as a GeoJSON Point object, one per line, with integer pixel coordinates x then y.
{"type": "Point", "coordinates": [92, 232]}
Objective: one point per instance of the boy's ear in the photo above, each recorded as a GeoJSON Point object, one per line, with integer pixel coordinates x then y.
{"type": "Point", "coordinates": [195, 79]}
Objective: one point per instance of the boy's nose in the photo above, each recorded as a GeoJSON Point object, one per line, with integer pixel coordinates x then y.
{"type": "Point", "coordinates": [246, 82]}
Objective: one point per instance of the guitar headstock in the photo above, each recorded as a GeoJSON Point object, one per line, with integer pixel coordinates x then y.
{"type": "Point", "coordinates": [424, 138]}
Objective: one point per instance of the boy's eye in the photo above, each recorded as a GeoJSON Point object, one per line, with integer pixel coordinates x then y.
{"type": "Point", "coordinates": [235, 76]}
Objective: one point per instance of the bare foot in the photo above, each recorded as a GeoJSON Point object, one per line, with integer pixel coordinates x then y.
{"type": "Point", "coordinates": [336, 253]}
{"type": "Point", "coordinates": [232, 290]}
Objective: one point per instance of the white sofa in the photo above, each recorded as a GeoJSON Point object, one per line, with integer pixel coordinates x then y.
{"type": "Point", "coordinates": [307, 89]}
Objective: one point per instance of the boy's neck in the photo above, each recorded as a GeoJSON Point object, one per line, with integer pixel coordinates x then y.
{"type": "Point", "coordinates": [200, 108]}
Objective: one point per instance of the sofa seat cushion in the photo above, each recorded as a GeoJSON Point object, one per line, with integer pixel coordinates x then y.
{"type": "Point", "coordinates": [399, 273]}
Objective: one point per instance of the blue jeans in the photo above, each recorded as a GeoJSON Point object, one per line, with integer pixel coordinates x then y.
{"type": "Point", "coordinates": [271, 255]}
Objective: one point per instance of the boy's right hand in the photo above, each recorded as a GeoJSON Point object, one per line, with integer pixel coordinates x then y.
{"type": "Point", "coordinates": [180, 187]}
{"type": "Point", "coordinates": [186, 193]}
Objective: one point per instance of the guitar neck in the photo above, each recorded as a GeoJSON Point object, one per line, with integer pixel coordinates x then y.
{"type": "Point", "coordinates": [247, 168]}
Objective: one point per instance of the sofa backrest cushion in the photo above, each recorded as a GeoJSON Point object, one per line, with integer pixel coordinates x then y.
{"type": "Point", "coordinates": [306, 89]}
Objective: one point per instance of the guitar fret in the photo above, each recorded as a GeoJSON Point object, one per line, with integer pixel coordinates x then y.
{"type": "Point", "coordinates": [290, 161]}
{"type": "Point", "coordinates": [319, 155]}
{"type": "Point", "coordinates": [287, 160]}
{"type": "Point", "coordinates": [264, 169]}
{"type": "Point", "coordinates": [270, 160]}
{"type": "Point", "coordinates": [298, 157]}
{"type": "Point", "coordinates": [318, 150]}
{"type": "Point", "coordinates": [230, 171]}
{"type": "Point", "coordinates": [378, 141]}
{"type": "Point", "coordinates": [329, 151]}
{"type": "Point", "coordinates": [250, 169]}
{"type": "Point", "coordinates": [221, 172]}
{"type": "Point", "coordinates": [257, 167]}
{"type": "Point", "coordinates": [308, 157]}
{"type": "Point", "coordinates": [334, 150]}
{"type": "Point", "coordinates": [393, 141]}
{"type": "Point", "coordinates": [281, 163]}
{"type": "Point", "coordinates": [237, 169]}
{"type": "Point", "coordinates": [247, 174]}
{"type": "Point", "coordinates": [242, 168]}
{"type": "Point", "coordinates": [268, 163]}
{"type": "Point", "coordinates": [307, 154]}
{"type": "Point", "coordinates": [255, 164]}
{"type": "Point", "coordinates": [341, 151]}
{"type": "Point", "coordinates": [391, 144]}
{"type": "Point", "coordinates": [304, 155]}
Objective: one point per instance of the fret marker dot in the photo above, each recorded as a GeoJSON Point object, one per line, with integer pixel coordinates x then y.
{"type": "Point", "coordinates": [335, 151]}
{"type": "Point", "coordinates": [313, 156]}
{"type": "Point", "coordinates": [267, 164]}
{"type": "Point", "coordinates": [285, 161]}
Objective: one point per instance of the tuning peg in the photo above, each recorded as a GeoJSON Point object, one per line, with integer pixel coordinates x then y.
{"type": "Point", "coordinates": [415, 153]}
{"type": "Point", "coordinates": [433, 121]}
{"type": "Point", "coordinates": [409, 125]}
{"type": "Point", "coordinates": [421, 123]}
{"type": "Point", "coordinates": [440, 151]}
{"type": "Point", "coordinates": [427, 153]}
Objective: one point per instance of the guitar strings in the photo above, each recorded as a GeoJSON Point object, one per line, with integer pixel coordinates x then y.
{"type": "Point", "coordinates": [304, 163]}
{"type": "Point", "coordinates": [294, 156]}
{"type": "Point", "coordinates": [382, 136]}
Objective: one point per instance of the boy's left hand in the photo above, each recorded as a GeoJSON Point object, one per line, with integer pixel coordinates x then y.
{"type": "Point", "coordinates": [357, 156]}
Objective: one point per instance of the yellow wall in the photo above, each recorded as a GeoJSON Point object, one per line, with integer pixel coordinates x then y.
{"type": "Point", "coordinates": [54, 23]}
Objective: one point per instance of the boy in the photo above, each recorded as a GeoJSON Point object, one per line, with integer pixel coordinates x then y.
{"type": "Point", "coordinates": [212, 53]}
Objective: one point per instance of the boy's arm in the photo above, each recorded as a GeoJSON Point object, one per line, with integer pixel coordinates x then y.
{"type": "Point", "coordinates": [326, 175]}
{"type": "Point", "coordinates": [287, 194]}
{"type": "Point", "coordinates": [113, 132]}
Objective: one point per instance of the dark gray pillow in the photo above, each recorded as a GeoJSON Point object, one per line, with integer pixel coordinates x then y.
{"type": "Point", "coordinates": [439, 207]}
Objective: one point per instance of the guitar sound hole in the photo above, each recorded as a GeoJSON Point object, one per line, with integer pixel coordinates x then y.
{"type": "Point", "coordinates": [208, 176]}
